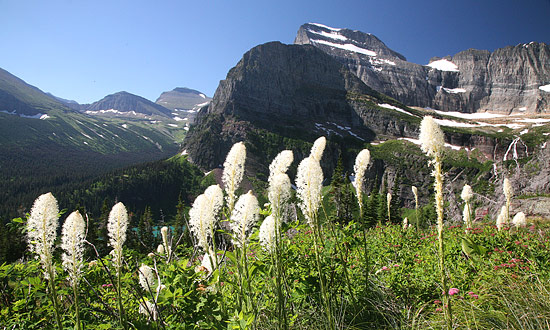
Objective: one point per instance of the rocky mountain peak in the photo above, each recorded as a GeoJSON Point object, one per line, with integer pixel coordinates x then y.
{"type": "Point", "coordinates": [509, 80]}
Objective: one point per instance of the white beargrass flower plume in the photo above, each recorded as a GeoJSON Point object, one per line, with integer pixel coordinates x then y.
{"type": "Point", "coordinates": [203, 216]}
{"type": "Point", "coordinates": [42, 230]}
{"type": "Point", "coordinates": [502, 220]}
{"type": "Point", "coordinates": [278, 194]}
{"type": "Point", "coordinates": [233, 171]}
{"type": "Point", "coordinates": [267, 234]}
{"type": "Point", "coordinates": [280, 164]}
{"type": "Point", "coordinates": [318, 148]}
{"type": "Point", "coordinates": [166, 242]}
{"type": "Point", "coordinates": [116, 229]}
{"type": "Point", "coordinates": [520, 220]}
{"type": "Point", "coordinates": [405, 223]}
{"type": "Point", "coordinates": [467, 195]}
{"type": "Point", "coordinates": [361, 163]}
{"type": "Point", "coordinates": [508, 193]}
{"type": "Point", "coordinates": [160, 249]}
{"type": "Point", "coordinates": [72, 243]}
{"type": "Point", "coordinates": [309, 182]}
{"type": "Point", "coordinates": [148, 308]}
{"type": "Point", "coordinates": [41, 233]}
{"type": "Point", "coordinates": [146, 278]}
{"type": "Point", "coordinates": [432, 143]}
{"type": "Point", "coordinates": [244, 216]}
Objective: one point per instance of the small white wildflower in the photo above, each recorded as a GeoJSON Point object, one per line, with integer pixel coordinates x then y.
{"type": "Point", "coordinates": [361, 163]}
{"type": "Point", "coordinates": [42, 229]}
{"type": "Point", "coordinates": [415, 192]}
{"type": "Point", "coordinates": [502, 219]}
{"type": "Point", "coordinates": [267, 234]}
{"type": "Point", "coordinates": [520, 220]}
{"type": "Point", "coordinates": [151, 255]}
{"type": "Point", "coordinates": [405, 223]}
{"type": "Point", "coordinates": [72, 242]}
{"type": "Point", "coordinates": [233, 171]}
{"type": "Point", "coordinates": [431, 137]}
{"type": "Point", "coordinates": [309, 182]}
{"type": "Point", "coordinates": [318, 148]}
{"type": "Point", "coordinates": [244, 216]}
{"type": "Point", "coordinates": [467, 193]}
{"type": "Point", "coordinates": [160, 249]}
{"type": "Point", "coordinates": [116, 227]}
{"type": "Point", "coordinates": [146, 278]}
{"type": "Point", "coordinates": [164, 235]}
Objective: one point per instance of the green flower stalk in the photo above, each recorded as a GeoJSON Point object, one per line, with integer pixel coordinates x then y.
{"type": "Point", "coordinates": [41, 233]}
{"type": "Point", "coordinates": [432, 140]}
{"type": "Point", "coordinates": [116, 230]}
{"type": "Point", "coordinates": [72, 242]}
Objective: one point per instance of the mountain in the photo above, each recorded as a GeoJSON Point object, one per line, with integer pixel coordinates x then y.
{"type": "Point", "coordinates": [291, 94]}
{"type": "Point", "coordinates": [22, 99]}
{"type": "Point", "coordinates": [185, 103]}
{"type": "Point", "coordinates": [127, 104]}
{"type": "Point", "coordinates": [182, 98]}
{"type": "Point", "coordinates": [509, 80]}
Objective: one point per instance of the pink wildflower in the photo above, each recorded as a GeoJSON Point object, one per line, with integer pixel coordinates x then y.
{"type": "Point", "coordinates": [385, 268]}
{"type": "Point", "coordinates": [453, 291]}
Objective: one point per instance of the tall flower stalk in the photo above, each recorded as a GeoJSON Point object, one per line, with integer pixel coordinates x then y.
{"type": "Point", "coordinates": [432, 140]}
{"type": "Point", "coordinates": [244, 217]}
{"type": "Point", "coordinates": [415, 193]}
{"type": "Point", "coordinates": [388, 202]}
{"type": "Point", "coordinates": [508, 193]}
{"type": "Point", "coordinates": [233, 172]}
{"type": "Point", "coordinates": [361, 163]}
{"type": "Point", "coordinates": [41, 233]}
{"type": "Point", "coordinates": [270, 231]}
{"type": "Point", "coordinates": [116, 229]}
{"type": "Point", "coordinates": [72, 242]}
{"type": "Point", "coordinates": [309, 182]}
{"type": "Point", "coordinates": [467, 195]}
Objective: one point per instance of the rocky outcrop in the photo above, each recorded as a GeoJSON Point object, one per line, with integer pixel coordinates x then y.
{"type": "Point", "coordinates": [295, 91]}
{"type": "Point", "coordinates": [510, 79]}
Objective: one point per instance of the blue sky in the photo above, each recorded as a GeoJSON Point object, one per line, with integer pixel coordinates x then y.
{"type": "Point", "coordinates": [85, 50]}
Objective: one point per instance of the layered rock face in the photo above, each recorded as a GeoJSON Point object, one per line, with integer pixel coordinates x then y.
{"type": "Point", "coordinates": [510, 79]}
{"type": "Point", "coordinates": [295, 91]}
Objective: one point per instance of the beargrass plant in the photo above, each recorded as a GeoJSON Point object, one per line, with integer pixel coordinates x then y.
{"type": "Point", "coordinates": [233, 172]}
{"type": "Point", "coordinates": [361, 163]}
{"type": "Point", "coordinates": [415, 193]}
{"type": "Point", "coordinates": [72, 242]}
{"type": "Point", "coordinates": [116, 229]}
{"type": "Point", "coordinates": [467, 195]}
{"type": "Point", "coordinates": [432, 143]}
{"type": "Point", "coordinates": [41, 233]}
{"type": "Point", "coordinates": [309, 182]}
{"type": "Point", "coordinates": [279, 193]}
{"type": "Point", "coordinates": [508, 193]}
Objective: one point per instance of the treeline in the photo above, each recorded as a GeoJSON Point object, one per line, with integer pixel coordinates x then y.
{"type": "Point", "coordinates": [155, 193]}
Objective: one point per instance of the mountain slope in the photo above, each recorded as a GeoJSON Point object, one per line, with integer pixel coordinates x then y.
{"type": "Point", "coordinates": [510, 79]}
{"type": "Point", "coordinates": [16, 96]}
{"type": "Point", "coordinates": [296, 93]}
{"type": "Point", "coordinates": [127, 104]}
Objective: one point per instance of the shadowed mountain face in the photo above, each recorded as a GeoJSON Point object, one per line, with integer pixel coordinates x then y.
{"type": "Point", "coordinates": [510, 79]}
{"type": "Point", "coordinates": [292, 91]}
{"type": "Point", "coordinates": [182, 98]}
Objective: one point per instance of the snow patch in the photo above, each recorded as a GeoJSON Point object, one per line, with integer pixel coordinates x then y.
{"type": "Point", "coordinates": [523, 109]}
{"type": "Point", "coordinates": [349, 47]}
{"type": "Point", "coordinates": [37, 116]}
{"type": "Point", "coordinates": [533, 120]}
{"type": "Point", "coordinates": [329, 35]}
{"type": "Point", "coordinates": [454, 90]}
{"type": "Point", "coordinates": [417, 142]}
{"type": "Point", "coordinates": [479, 115]}
{"type": "Point", "coordinates": [177, 118]}
{"type": "Point", "coordinates": [545, 88]}
{"type": "Point", "coordinates": [324, 26]}
{"type": "Point", "coordinates": [173, 125]}
{"type": "Point", "coordinates": [444, 65]}
{"type": "Point", "coordinates": [184, 152]}
{"type": "Point", "coordinates": [124, 125]}
{"type": "Point", "coordinates": [525, 131]}
{"type": "Point", "coordinates": [389, 106]}
{"type": "Point", "coordinates": [202, 95]}
{"type": "Point", "coordinates": [451, 123]}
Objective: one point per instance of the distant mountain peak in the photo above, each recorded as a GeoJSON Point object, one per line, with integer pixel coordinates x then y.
{"type": "Point", "coordinates": [183, 98]}
{"type": "Point", "coordinates": [127, 102]}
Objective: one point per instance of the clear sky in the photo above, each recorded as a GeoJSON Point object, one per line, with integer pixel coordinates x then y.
{"type": "Point", "coordinates": [85, 50]}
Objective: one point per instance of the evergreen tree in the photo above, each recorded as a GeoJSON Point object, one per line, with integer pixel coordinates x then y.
{"type": "Point", "coordinates": [370, 214]}
{"type": "Point", "coordinates": [338, 188]}
{"type": "Point", "coordinates": [382, 207]}
{"type": "Point", "coordinates": [180, 224]}
{"type": "Point", "coordinates": [347, 201]}
{"type": "Point", "coordinates": [101, 229]}
{"type": "Point", "coordinates": [145, 231]}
